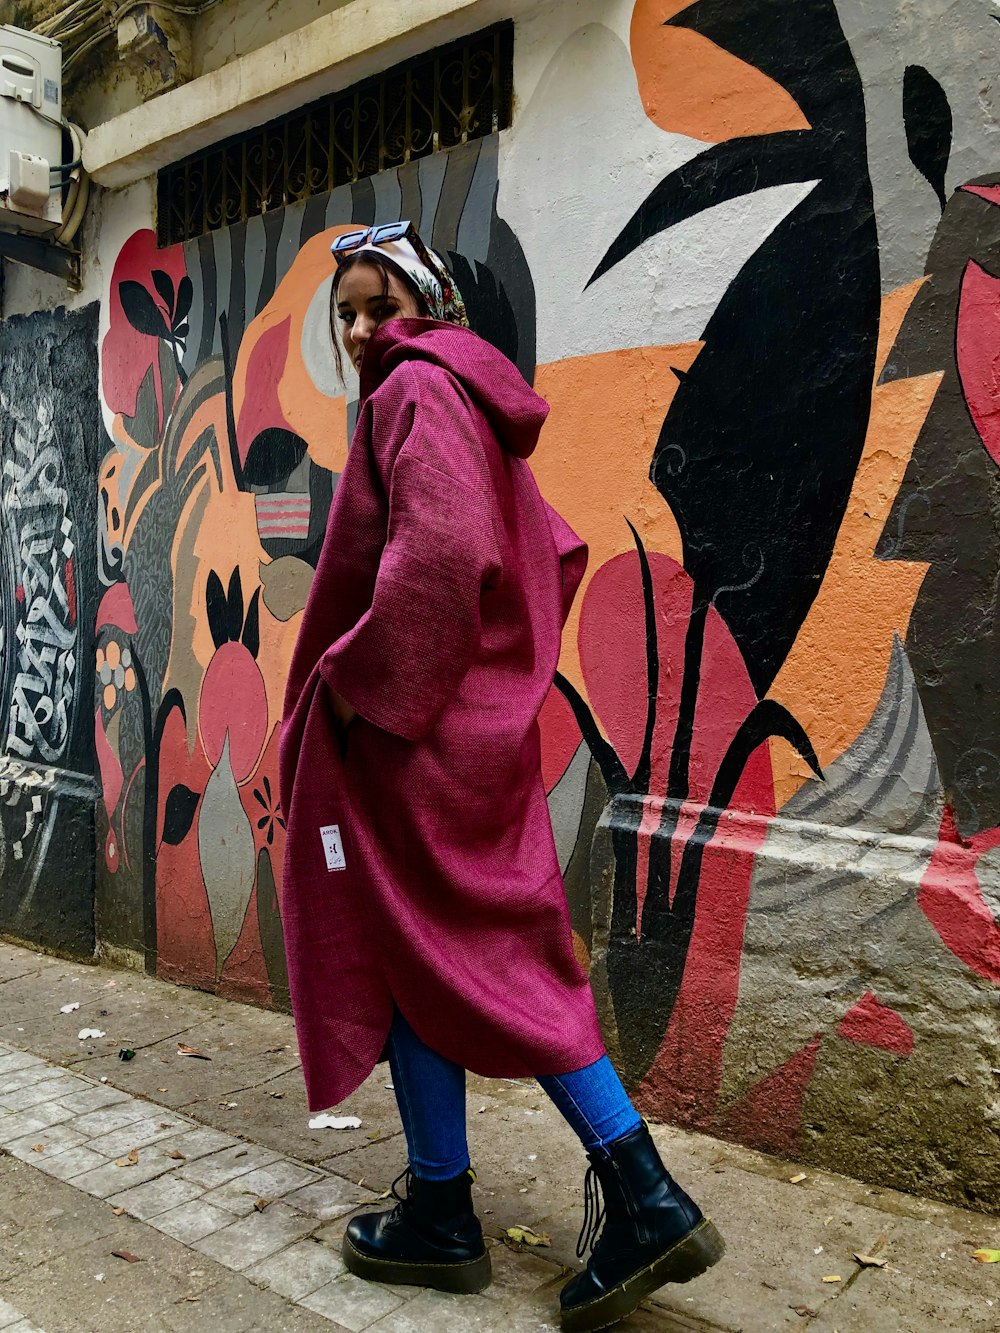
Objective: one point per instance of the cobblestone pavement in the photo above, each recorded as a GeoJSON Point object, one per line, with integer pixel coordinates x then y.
{"type": "Point", "coordinates": [169, 1193]}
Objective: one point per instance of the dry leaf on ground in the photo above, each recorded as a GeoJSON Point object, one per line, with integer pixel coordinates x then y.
{"type": "Point", "coordinates": [519, 1235]}
{"type": "Point", "coordinates": [797, 1179]}
{"type": "Point", "coordinates": [870, 1260]}
{"type": "Point", "coordinates": [834, 1277]}
{"type": "Point", "coordinates": [118, 1212]}
{"type": "Point", "coordinates": [131, 1159]}
{"type": "Point", "coordinates": [183, 1049]}
{"type": "Point", "coordinates": [177, 1156]}
{"type": "Point", "coordinates": [127, 1255]}
{"type": "Point", "coordinates": [806, 1311]}
{"type": "Point", "coordinates": [986, 1256]}
{"type": "Point", "coordinates": [261, 1204]}
{"type": "Point", "coordinates": [38, 1147]}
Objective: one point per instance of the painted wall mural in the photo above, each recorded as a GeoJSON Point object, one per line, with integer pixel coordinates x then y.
{"type": "Point", "coordinates": [771, 750]}
{"type": "Point", "coordinates": [49, 444]}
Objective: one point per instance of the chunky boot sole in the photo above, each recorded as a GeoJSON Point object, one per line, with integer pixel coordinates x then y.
{"type": "Point", "coordinates": [462, 1279]}
{"type": "Point", "coordinates": [689, 1258]}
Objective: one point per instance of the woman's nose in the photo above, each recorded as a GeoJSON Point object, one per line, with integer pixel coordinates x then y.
{"type": "Point", "coordinates": [361, 329]}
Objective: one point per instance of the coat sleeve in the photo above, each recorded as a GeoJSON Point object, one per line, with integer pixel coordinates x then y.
{"type": "Point", "coordinates": [404, 660]}
{"type": "Point", "coordinates": [572, 557]}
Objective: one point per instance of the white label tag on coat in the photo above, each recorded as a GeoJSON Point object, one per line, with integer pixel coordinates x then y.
{"type": "Point", "coordinates": [333, 848]}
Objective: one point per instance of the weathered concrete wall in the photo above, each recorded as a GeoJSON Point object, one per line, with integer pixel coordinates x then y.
{"type": "Point", "coordinates": [50, 430]}
{"type": "Point", "coordinates": [746, 248]}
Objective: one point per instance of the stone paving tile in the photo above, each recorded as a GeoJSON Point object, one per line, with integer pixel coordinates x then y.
{"type": "Point", "coordinates": [191, 1221]}
{"type": "Point", "coordinates": [269, 1182]}
{"type": "Point", "coordinates": [436, 1312]}
{"type": "Point", "coordinates": [24, 1326]}
{"type": "Point", "coordinates": [228, 1164]}
{"type": "Point", "coordinates": [256, 1237]}
{"type": "Point", "coordinates": [29, 1077]}
{"type": "Point", "coordinates": [355, 1303]}
{"type": "Point", "coordinates": [299, 1270]}
{"type": "Point", "coordinates": [108, 1179]}
{"type": "Point", "coordinates": [17, 1060]}
{"type": "Point", "coordinates": [139, 1134]}
{"type": "Point", "coordinates": [93, 1097]}
{"type": "Point", "coordinates": [196, 1143]}
{"type": "Point", "coordinates": [19, 1123]}
{"type": "Point", "coordinates": [45, 1090]}
{"type": "Point", "coordinates": [156, 1196]}
{"type": "Point", "coordinates": [53, 1140]}
{"type": "Point", "coordinates": [109, 1118]}
{"type": "Point", "coordinates": [8, 1315]}
{"type": "Point", "coordinates": [330, 1198]}
{"type": "Point", "coordinates": [70, 1163]}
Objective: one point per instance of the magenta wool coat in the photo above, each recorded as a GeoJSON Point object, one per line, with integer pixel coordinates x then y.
{"type": "Point", "coordinates": [420, 868]}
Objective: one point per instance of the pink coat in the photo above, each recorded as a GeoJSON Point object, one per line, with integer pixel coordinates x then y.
{"type": "Point", "coordinates": [420, 866]}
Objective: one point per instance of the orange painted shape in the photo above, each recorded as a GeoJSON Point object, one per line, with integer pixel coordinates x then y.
{"type": "Point", "coordinates": [592, 462]}
{"type": "Point", "coordinates": [688, 85]}
{"type": "Point", "coordinates": [833, 678]}
{"type": "Point", "coordinates": [894, 309]}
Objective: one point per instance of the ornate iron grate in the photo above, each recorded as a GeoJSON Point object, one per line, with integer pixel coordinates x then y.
{"type": "Point", "coordinates": [459, 92]}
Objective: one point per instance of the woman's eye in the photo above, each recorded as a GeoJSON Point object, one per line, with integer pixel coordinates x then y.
{"type": "Point", "coordinates": [345, 316]}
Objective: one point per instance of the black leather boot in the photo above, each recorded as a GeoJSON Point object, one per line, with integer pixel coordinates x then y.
{"type": "Point", "coordinates": [653, 1234]}
{"type": "Point", "coordinates": [432, 1238]}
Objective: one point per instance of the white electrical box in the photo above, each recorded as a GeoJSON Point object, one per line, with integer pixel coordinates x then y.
{"type": "Point", "coordinates": [30, 131]}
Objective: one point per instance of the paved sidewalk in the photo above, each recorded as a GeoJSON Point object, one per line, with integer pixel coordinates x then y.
{"type": "Point", "coordinates": [227, 1211]}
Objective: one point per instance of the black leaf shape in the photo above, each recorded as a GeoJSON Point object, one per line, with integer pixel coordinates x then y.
{"type": "Point", "coordinates": [928, 123]}
{"type": "Point", "coordinates": [185, 294]}
{"type": "Point", "coordinates": [273, 455]}
{"type": "Point", "coordinates": [178, 815]}
{"type": "Point", "coordinates": [182, 330]}
{"type": "Point", "coordinates": [218, 617]}
{"type": "Point", "coordinates": [251, 630]}
{"type": "Point", "coordinates": [165, 286]}
{"type": "Point", "coordinates": [141, 310]}
{"type": "Point", "coordinates": [234, 601]}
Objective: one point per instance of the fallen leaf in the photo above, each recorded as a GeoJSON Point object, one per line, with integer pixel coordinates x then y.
{"type": "Point", "coordinates": [118, 1212]}
{"type": "Point", "coordinates": [525, 1236]}
{"type": "Point", "coordinates": [69, 1008]}
{"type": "Point", "coordinates": [806, 1311]}
{"type": "Point", "coordinates": [770, 1285]}
{"type": "Point", "coordinates": [386, 1194]}
{"type": "Point", "coordinates": [872, 1260]}
{"type": "Point", "coordinates": [374, 1136]}
{"type": "Point", "coordinates": [277, 1096]}
{"type": "Point", "coordinates": [834, 1277]}
{"type": "Point", "coordinates": [187, 1298]}
{"type": "Point", "coordinates": [986, 1256]}
{"type": "Point", "coordinates": [127, 1255]}
{"type": "Point", "coordinates": [162, 1089]}
{"type": "Point", "coordinates": [242, 1153]}
{"type": "Point", "coordinates": [38, 1147]}
{"type": "Point", "coordinates": [327, 1121]}
{"type": "Point", "coordinates": [183, 1049]}
{"type": "Point", "coordinates": [274, 1050]}
{"type": "Point", "coordinates": [797, 1180]}
{"type": "Point", "coordinates": [261, 1204]}
{"type": "Point", "coordinates": [177, 1156]}
{"type": "Point", "coordinates": [131, 1160]}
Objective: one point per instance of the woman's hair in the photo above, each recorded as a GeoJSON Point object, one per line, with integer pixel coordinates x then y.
{"type": "Point", "coordinates": [387, 269]}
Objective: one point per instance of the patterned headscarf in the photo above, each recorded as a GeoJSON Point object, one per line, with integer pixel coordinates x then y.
{"type": "Point", "coordinates": [435, 284]}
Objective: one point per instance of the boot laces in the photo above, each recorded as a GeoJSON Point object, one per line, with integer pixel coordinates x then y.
{"type": "Point", "coordinates": [594, 1212]}
{"type": "Point", "coordinates": [402, 1200]}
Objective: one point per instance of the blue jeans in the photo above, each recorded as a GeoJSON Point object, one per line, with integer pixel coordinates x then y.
{"type": "Point", "coordinates": [430, 1093]}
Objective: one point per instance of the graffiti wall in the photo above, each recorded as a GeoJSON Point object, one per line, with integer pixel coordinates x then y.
{"type": "Point", "coordinates": [50, 432]}
{"type": "Point", "coordinates": [747, 249]}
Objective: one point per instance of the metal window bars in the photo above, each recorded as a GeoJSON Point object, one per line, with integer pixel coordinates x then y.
{"type": "Point", "coordinates": [449, 96]}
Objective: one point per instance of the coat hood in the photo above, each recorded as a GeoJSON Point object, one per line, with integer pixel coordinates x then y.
{"type": "Point", "coordinates": [491, 380]}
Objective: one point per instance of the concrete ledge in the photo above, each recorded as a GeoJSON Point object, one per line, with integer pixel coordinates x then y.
{"type": "Point", "coordinates": [332, 52]}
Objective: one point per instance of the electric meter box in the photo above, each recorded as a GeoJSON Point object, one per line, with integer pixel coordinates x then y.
{"type": "Point", "coordinates": [30, 131]}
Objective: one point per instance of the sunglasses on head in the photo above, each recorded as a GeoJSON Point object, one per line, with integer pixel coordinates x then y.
{"type": "Point", "coordinates": [385, 232]}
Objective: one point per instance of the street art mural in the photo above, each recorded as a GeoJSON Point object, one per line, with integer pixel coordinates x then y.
{"type": "Point", "coordinates": [49, 445]}
{"type": "Point", "coordinates": [771, 751]}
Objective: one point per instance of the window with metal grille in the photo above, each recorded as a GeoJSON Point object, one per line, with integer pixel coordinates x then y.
{"type": "Point", "coordinates": [459, 92]}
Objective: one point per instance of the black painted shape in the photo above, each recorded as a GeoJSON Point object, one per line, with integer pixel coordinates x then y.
{"type": "Point", "coordinates": [947, 515]}
{"type": "Point", "coordinates": [928, 124]}
{"type": "Point", "coordinates": [209, 296]}
{"type": "Point", "coordinates": [234, 607]}
{"type": "Point", "coordinates": [250, 637]}
{"type": "Point", "coordinates": [141, 310]}
{"type": "Point", "coordinates": [487, 304]}
{"type": "Point", "coordinates": [217, 609]}
{"type": "Point", "coordinates": [771, 418]}
{"type": "Point", "coordinates": [178, 815]}
{"type": "Point", "coordinates": [273, 455]}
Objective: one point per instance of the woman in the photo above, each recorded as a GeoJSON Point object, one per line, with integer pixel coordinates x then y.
{"type": "Point", "coordinates": [424, 912]}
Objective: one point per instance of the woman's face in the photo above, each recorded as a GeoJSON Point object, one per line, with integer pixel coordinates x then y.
{"type": "Point", "coordinates": [364, 303]}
